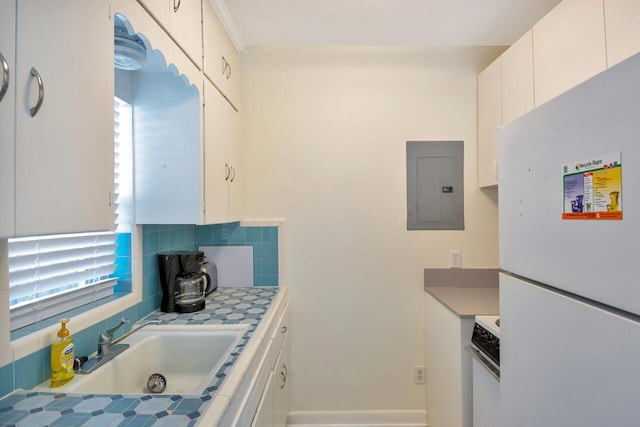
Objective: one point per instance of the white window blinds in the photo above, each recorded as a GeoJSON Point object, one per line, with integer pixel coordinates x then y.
{"type": "Point", "coordinates": [44, 271]}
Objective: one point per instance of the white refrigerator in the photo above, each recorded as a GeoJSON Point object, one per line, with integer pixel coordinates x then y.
{"type": "Point", "coordinates": [569, 207]}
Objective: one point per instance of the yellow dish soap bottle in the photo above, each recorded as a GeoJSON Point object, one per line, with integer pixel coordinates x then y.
{"type": "Point", "coordinates": [62, 354]}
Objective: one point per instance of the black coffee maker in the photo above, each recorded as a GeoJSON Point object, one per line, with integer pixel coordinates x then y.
{"type": "Point", "coordinates": [183, 281]}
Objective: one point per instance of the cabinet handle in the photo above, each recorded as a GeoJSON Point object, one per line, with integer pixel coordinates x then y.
{"type": "Point", "coordinates": [226, 68]}
{"type": "Point", "coordinates": [227, 171]}
{"type": "Point", "coordinates": [233, 176]}
{"type": "Point", "coordinates": [5, 76]}
{"type": "Point", "coordinates": [283, 330]}
{"type": "Point", "coordinates": [34, 110]}
{"type": "Point", "coordinates": [176, 6]}
{"type": "Point", "coordinates": [283, 374]}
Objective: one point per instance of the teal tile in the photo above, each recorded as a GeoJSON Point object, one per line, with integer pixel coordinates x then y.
{"type": "Point", "coordinates": [257, 265]}
{"type": "Point", "coordinates": [220, 234]}
{"type": "Point", "coordinates": [257, 279]}
{"type": "Point", "coordinates": [237, 235]}
{"type": "Point", "coordinates": [46, 362]}
{"type": "Point", "coordinates": [28, 371]}
{"type": "Point", "coordinates": [81, 341]}
{"type": "Point", "coordinates": [270, 266]}
{"type": "Point", "coordinates": [6, 379]}
{"type": "Point", "coordinates": [270, 234]}
{"type": "Point", "coordinates": [163, 242]}
{"type": "Point", "coordinates": [258, 252]}
{"type": "Point", "coordinates": [269, 280]}
{"type": "Point", "coordinates": [254, 234]}
{"type": "Point", "coordinates": [269, 251]}
{"type": "Point", "coordinates": [150, 286]}
{"type": "Point", "coordinates": [150, 243]}
{"type": "Point", "coordinates": [204, 235]}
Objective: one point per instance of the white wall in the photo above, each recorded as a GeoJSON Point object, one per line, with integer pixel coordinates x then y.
{"type": "Point", "coordinates": [324, 132]}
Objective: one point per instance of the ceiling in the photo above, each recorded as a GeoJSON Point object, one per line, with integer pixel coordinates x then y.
{"type": "Point", "coordinates": [379, 22]}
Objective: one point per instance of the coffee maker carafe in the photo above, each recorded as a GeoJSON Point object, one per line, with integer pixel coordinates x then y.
{"type": "Point", "coordinates": [183, 282]}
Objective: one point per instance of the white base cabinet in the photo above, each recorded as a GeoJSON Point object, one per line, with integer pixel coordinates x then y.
{"type": "Point", "coordinates": [448, 369]}
{"type": "Point", "coordinates": [274, 404]}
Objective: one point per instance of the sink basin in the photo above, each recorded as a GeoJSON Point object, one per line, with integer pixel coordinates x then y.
{"type": "Point", "coordinates": [187, 356]}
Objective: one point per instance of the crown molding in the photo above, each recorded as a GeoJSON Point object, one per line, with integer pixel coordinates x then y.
{"type": "Point", "coordinates": [227, 22]}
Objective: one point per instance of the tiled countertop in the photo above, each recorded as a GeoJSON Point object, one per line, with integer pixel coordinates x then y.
{"type": "Point", "coordinates": [224, 306]}
{"type": "Point", "coordinates": [466, 292]}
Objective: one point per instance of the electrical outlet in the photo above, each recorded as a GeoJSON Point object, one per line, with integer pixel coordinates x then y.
{"type": "Point", "coordinates": [455, 258]}
{"type": "Point", "coordinates": [418, 374]}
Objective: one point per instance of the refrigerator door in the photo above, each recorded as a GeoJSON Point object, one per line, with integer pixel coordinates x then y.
{"type": "Point", "coordinates": [596, 259]}
{"type": "Point", "coordinates": [564, 362]}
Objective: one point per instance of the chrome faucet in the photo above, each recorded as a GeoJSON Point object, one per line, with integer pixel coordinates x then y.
{"type": "Point", "coordinates": [108, 348]}
{"type": "Point", "coordinates": [105, 341]}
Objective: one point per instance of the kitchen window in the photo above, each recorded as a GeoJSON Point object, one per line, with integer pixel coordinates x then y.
{"type": "Point", "coordinates": [50, 275]}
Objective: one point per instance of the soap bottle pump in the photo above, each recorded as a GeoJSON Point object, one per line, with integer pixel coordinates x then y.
{"type": "Point", "coordinates": [62, 355]}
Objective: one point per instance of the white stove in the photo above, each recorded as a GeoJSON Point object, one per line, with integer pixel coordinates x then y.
{"type": "Point", "coordinates": [485, 349]}
{"type": "Point", "coordinates": [486, 339]}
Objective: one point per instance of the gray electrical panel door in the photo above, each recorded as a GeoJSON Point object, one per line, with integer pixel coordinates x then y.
{"type": "Point", "coordinates": [435, 196]}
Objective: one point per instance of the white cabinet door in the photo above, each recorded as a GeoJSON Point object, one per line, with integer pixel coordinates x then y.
{"type": "Point", "coordinates": [622, 29]}
{"type": "Point", "coordinates": [182, 19]}
{"type": "Point", "coordinates": [282, 385]}
{"type": "Point", "coordinates": [264, 414]}
{"type": "Point", "coordinates": [448, 366]}
{"type": "Point", "coordinates": [517, 79]}
{"type": "Point", "coordinates": [489, 119]}
{"type": "Point", "coordinates": [236, 185]}
{"type": "Point", "coordinates": [7, 109]}
{"type": "Point", "coordinates": [186, 27]}
{"type": "Point", "coordinates": [220, 56]}
{"type": "Point", "coordinates": [160, 10]}
{"type": "Point", "coordinates": [64, 152]}
{"type": "Point", "coordinates": [568, 47]}
{"type": "Point", "coordinates": [216, 171]}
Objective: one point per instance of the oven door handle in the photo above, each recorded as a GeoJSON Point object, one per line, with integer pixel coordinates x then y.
{"type": "Point", "coordinates": [476, 354]}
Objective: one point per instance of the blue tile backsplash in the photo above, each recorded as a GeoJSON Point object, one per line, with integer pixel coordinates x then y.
{"type": "Point", "coordinates": [264, 241]}
{"type": "Point", "coordinates": [35, 368]}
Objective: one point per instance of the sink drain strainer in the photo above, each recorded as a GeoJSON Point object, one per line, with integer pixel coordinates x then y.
{"type": "Point", "coordinates": [156, 383]}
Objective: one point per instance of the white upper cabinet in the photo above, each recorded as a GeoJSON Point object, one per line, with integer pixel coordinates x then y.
{"type": "Point", "coordinates": [220, 56]}
{"type": "Point", "coordinates": [7, 109]}
{"type": "Point", "coordinates": [517, 79]}
{"type": "Point", "coordinates": [489, 119]}
{"type": "Point", "coordinates": [622, 18]}
{"type": "Point", "coordinates": [64, 117]}
{"type": "Point", "coordinates": [568, 47]}
{"type": "Point", "coordinates": [223, 159]}
{"type": "Point", "coordinates": [182, 19]}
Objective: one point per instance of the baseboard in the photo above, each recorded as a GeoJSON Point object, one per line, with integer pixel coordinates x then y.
{"type": "Point", "coordinates": [357, 419]}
